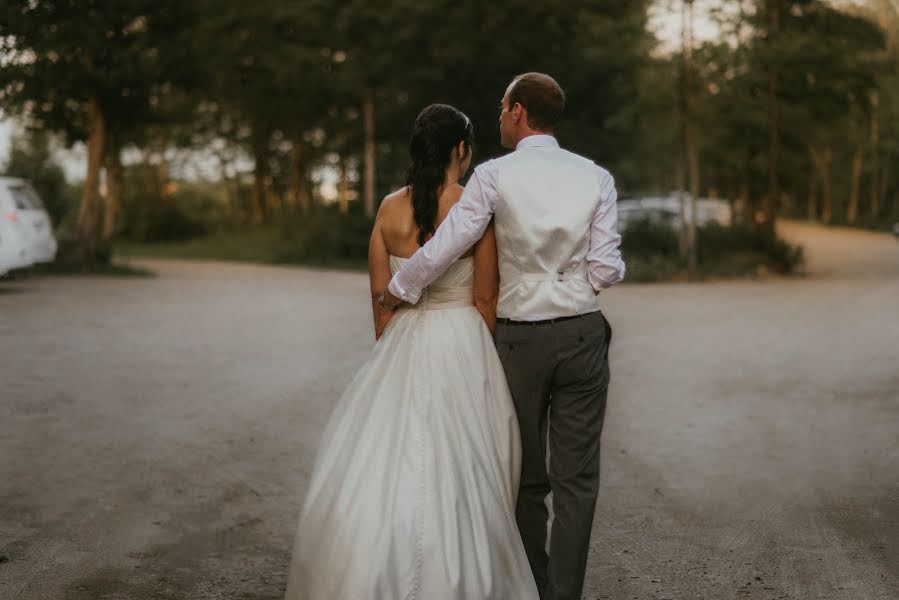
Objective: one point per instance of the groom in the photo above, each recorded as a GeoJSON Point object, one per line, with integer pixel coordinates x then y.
{"type": "Point", "coordinates": [557, 246]}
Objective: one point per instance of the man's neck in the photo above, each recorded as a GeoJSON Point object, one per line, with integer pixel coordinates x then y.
{"type": "Point", "coordinates": [532, 134]}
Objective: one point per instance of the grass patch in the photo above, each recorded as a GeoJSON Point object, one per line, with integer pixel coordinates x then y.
{"type": "Point", "coordinates": [322, 238]}
{"type": "Point", "coordinates": [246, 246]}
{"type": "Point", "coordinates": [262, 245]}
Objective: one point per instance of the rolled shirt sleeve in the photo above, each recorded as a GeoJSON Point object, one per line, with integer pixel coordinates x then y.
{"type": "Point", "coordinates": [605, 266]}
{"type": "Point", "coordinates": [463, 227]}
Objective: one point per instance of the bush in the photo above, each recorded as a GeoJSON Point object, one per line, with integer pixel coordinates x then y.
{"type": "Point", "coordinates": [325, 237]}
{"type": "Point", "coordinates": [648, 238]}
{"type": "Point", "coordinates": [740, 250]}
{"type": "Point", "coordinates": [651, 251]}
{"type": "Point", "coordinates": [147, 217]}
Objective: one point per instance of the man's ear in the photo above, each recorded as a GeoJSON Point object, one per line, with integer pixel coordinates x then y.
{"type": "Point", "coordinates": [517, 111]}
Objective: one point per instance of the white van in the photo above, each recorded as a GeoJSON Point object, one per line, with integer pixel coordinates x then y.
{"type": "Point", "coordinates": [26, 234]}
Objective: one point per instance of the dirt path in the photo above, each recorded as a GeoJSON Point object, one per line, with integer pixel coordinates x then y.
{"type": "Point", "coordinates": [156, 434]}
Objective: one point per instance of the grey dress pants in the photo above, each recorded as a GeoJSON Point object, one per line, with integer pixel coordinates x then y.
{"type": "Point", "coordinates": [558, 373]}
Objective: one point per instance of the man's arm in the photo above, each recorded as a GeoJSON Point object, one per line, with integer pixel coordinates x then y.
{"type": "Point", "coordinates": [463, 226]}
{"type": "Point", "coordinates": [604, 264]}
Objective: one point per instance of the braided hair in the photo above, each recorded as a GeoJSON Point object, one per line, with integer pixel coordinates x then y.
{"type": "Point", "coordinates": [438, 129]}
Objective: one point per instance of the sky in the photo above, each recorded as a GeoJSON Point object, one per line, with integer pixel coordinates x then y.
{"type": "Point", "coordinates": [665, 20]}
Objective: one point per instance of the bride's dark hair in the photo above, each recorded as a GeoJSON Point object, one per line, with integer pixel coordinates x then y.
{"type": "Point", "coordinates": [438, 129]}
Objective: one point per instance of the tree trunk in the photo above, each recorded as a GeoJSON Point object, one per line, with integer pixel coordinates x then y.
{"type": "Point", "coordinates": [272, 200]}
{"type": "Point", "coordinates": [827, 200]}
{"type": "Point", "coordinates": [769, 207]}
{"type": "Point", "coordinates": [692, 240]}
{"type": "Point", "coordinates": [822, 164]}
{"type": "Point", "coordinates": [874, 209]}
{"type": "Point", "coordinates": [855, 183]}
{"type": "Point", "coordinates": [113, 193]}
{"type": "Point", "coordinates": [225, 177]}
{"type": "Point", "coordinates": [876, 174]}
{"type": "Point", "coordinates": [746, 204]}
{"type": "Point", "coordinates": [162, 169]}
{"type": "Point", "coordinates": [885, 180]}
{"type": "Point", "coordinates": [732, 193]}
{"type": "Point", "coordinates": [87, 215]}
{"type": "Point", "coordinates": [689, 139]}
{"type": "Point", "coordinates": [368, 118]}
{"type": "Point", "coordinates": [260, 182]}
{"type": "Point", "coordinates": [148, 173]}
{"type": "Point", "coordinates": [812, 211]}
{"type": "Point", "coordinates": [299, 190]}
{"type": "Point", "coordinates": [680, 184]}
{"type": "Point", "coordinates": [343, 187]}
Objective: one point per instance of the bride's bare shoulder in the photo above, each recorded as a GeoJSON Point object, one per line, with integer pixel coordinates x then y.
{"type": "Point", "coordinates": [394, 202]}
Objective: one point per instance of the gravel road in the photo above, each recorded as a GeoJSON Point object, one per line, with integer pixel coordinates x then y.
{"type": "Point", "coordinates": [156, 435]}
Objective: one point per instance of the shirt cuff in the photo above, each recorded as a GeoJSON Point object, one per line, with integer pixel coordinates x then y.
{"type": "Point", "coordinates": [399, 292]}
{"type": "Point", "coordinates": [599, 283]}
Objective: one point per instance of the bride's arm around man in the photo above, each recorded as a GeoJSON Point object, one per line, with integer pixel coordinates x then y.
{"type": "Point", "coordinates": [469, 218]}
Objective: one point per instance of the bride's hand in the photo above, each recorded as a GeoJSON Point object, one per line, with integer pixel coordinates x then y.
{"type": "Point", "coordinates": [381, 321]}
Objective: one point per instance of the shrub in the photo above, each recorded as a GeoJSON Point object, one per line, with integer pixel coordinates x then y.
{"type": "Point", "coordinates": [325, 237]}
{"type": "Point", "coordinates": [651, 251]}
{"type": "Point", "coordinates": [741, 249]}
{"type": "Point", "coordinates": [147, 217]}
{"type": "Point", "coordinates": [648, 238]}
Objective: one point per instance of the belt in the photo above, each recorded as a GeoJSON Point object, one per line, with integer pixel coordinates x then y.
{"type": "Point", "coordinates": [543, 322]}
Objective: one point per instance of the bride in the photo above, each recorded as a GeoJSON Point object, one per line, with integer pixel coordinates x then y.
{"type": "Point", "coordinates": [414, 486]}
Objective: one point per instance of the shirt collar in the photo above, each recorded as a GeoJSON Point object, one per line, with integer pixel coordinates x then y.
{"type": "Point", "coordinates": [538, 141]}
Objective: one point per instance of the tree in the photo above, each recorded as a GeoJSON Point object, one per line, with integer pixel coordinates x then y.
{"type": "Point", "coordinates": [780, 105]}
{"type": "Point", "coordinates": [31, 157]}
{"type": "Point", "coordinates": [688, 135]}
{"type": "Point", "coordinates": [270, 81]}
{"type": "Point", "coordinates": [84, 69]}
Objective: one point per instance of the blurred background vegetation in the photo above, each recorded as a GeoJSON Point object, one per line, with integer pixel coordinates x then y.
{"type": "Point", "coordinates": [269, 130]}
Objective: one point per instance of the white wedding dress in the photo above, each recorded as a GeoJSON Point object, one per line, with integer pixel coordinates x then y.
{"type": "Point", "coordinates": [413, 491]}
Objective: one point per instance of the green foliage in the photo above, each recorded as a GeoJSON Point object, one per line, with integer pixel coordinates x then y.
{"type": "Point", "coordinates": [325, 237]}
{"type": "Point", "coordinates": [742, 249]}
{"type": "Point", "coordinates": [150, 216]}
{"type": "Point", "coordinates": [255, 245]}
{"type": "Point", "coordinates": [31, 157]}
{"type": "Point", "coordinates": [828, 66]}
{"type": "Point", "coordinates": [276, 87]}
{"type": "Point", "coordinates": [650, 251]}
{"type": "Point", "coordinates": [58, 54]}
{"type": "Point", "coordinates": [648, 238]}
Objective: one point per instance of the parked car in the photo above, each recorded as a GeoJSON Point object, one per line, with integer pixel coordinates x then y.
{"type": "Point", "coordinates": [13, 247]}
{"type": "Point", "coordinates": [26, 233]}
{"type": "Point", "coordinates": [665, 210]}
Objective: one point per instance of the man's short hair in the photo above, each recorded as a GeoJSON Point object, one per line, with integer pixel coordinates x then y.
{"type": "Point", "coordinates": [543, 98]}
